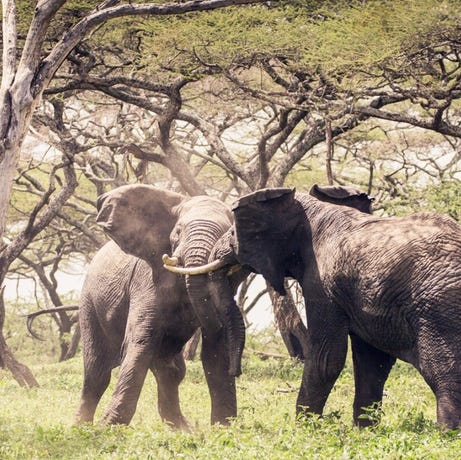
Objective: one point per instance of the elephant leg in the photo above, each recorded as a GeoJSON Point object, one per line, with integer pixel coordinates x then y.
{"type": "Point", "coordinates": [133, 370]}
{"type": "Point", "coordinates": [98, 361]}
{"type": "Point", "coordinates": [439, 362]}
{"type": "Point", "coordinates": [371, 369]}
{"type": "Point", "coordinates": [169, 374]}
{"type": "Point", "coordinates": [221, 385]}
{"type": "Point", "coordinates": [325, 358]}
{"type": "Point", "coordinates": [95, 382]}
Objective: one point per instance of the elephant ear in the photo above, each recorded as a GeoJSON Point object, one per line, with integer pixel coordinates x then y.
{"type": "Point", "coordinates": [139, 218]}
{"type": "Point", "coordinates": [265, 223]}
{"type": "Point", "coordinates": [343, 196]}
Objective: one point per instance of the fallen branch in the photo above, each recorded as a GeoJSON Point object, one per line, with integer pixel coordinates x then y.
{"type": "Point", "coordinates": [266, 355]}
{"type": "Point", "coordinates": [31, 316]}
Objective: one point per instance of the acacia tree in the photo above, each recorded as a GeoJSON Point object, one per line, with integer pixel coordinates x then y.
{"type": "Point", "coordinates": [27, 72]}
{"type": "Point", "coordinates": [302, 97]}
{"type": "Point", "coordinates": [297, 94]}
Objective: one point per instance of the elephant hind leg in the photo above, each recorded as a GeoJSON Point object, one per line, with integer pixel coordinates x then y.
{"type": "Point", "coordinates": [169, 374]}
{"type": "Point", "coordinates": [97, 374]}
{"type": "Point", "coordinates": [99, 358]}
{"type": "Point", "coordinates": [371, 369]}
{"type": "Point", "coordinates": [439, 362]}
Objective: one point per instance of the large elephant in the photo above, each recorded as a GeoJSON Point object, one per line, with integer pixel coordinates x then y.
{"type": "Point", "coordinates": [135, 314]}
{"type": "Point", "coordinates": [394, 284]}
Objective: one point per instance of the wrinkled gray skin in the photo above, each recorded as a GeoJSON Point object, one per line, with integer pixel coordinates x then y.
{"type": "Point", "coordinates": [394, 284]}
{"type": "Point", "coordinates": [135, 314]}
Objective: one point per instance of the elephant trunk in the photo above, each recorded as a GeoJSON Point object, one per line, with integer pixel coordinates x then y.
{"type": "Point", "coordinates": [222, 294]}
{"type": "Point", "coordinates": [213, 300]}
{"type": "Point", "coordinates": [197, 288]}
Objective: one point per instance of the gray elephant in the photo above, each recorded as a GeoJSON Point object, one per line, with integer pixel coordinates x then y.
{"type": "Point", "coordinates": [394, 284]}
{"type": "Point", "coordinates": [135, 314]}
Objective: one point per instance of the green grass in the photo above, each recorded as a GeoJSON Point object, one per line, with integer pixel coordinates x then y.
{"type": "Point", "coordinates": [38, 423]}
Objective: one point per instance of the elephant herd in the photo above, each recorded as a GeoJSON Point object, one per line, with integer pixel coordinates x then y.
{"type": "Point", "coordinates": [392, 285]}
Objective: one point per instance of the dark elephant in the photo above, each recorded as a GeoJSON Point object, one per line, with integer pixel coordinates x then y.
{"type": "Point", "coordinates": [394, 284]}
{"type": "Point", "coordinates": [135, 314]}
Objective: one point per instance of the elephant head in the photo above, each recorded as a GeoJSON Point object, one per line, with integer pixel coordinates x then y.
{"type": "Point", "coordinates": [265, 233]}
{"type": "Point", "coordinates": [270, 225]}
{"type": "Point", "coordinates": [139, 218]}
{"type": "Point", "coordinates": [149, 223]}
{"type": "Point", "coordinates": [201, 222]}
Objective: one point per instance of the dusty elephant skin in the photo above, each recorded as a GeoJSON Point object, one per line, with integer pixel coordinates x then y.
{"type": "Point", "coordinates": [394, 284]}
{"type": "Point", "coordinates": [136, 314]}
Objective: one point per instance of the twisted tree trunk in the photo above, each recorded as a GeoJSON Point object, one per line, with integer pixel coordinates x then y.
{"type": "Point", "coordinates": [289, 322]}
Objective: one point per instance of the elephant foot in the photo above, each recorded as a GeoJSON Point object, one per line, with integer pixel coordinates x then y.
{"type": "Point", "coordinates": [84, 416]}
{"type": "Point", "coordinates": [180, 424]}
{"type": "Point", "coordinates": [449, 411]}
{"type": "Point", "coordinates": [115, 418]}
{"type": "Point", "coordinates": [79, 420]}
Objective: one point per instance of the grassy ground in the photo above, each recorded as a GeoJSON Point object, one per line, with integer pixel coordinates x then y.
{"type": "Point", "coordinates": [38, 423]}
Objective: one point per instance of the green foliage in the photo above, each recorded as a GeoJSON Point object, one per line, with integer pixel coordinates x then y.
{"type": "Point", "coordinates": [445, 198]}
{"type": "Point", "coordinates": [373, 32]}
{"type": "Point", "coordinates": [38, 423]}
{"type": "Point", "coordinates": [336, 36]}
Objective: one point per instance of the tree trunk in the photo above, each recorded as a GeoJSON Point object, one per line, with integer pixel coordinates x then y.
{"type": "Point", "coordinates": [329, 153]}
{"type": "Point", "coordinates": [72, 350]}
{"type": "Point", "coordinates": [190, 349]}
{"type": "Point", "coordinates": [289, 322]}
{"type": "Point", "coordinates": [21, 372]}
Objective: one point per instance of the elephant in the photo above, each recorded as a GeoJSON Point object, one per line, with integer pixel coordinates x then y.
{"type": "Point", "coordinates": [135, 314]}
{"type": "Point", "coordinates": [392, 283]}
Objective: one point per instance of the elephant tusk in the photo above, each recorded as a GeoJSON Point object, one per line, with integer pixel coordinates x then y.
{"type": "Point", "coordinates": [234, 269]}
{"type": "Point", "coordinates": [200, 270]}
{"type": "Point", "coordinates": [170, 261]}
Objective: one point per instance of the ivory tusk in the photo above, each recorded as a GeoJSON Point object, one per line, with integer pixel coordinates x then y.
{"type": "Point", "coordinates": [201, 270]}
{"type": "Point", "coordinates": [170, 261]}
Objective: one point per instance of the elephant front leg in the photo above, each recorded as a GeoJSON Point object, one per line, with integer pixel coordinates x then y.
{"type": "Point", "coordinates": [169, 375]}
{"type": "Point", "coordinates": [449, 408]}
{"type": "Point", "coordinates": [221, 385]}
{"type": "Point", "coordinates": [131, 378]}
{"type": "Point", "coordinates": [371, 369]}
{"type": "Point", "coordinates": [325, 358]}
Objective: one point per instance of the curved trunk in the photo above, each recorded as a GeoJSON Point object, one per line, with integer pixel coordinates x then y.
{"type": "Point", "coordinates": [218, 310]}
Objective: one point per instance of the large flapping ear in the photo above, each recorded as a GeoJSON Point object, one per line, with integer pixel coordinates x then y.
{"type": "Point", "coordinates": [343, 196]}
{"type": "Point", "coordinates": [263, 232]}
{"type": "Point", "coordinates": [139, 218]}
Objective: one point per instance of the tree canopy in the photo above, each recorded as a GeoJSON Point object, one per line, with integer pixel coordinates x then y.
{"type": "Point", "coordinates": [200, 99]}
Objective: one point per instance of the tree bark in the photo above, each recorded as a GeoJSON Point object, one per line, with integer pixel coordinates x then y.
{"type": "Point", "coordinates": [21, 372]}
{"type": "Point", "coordinates": [289, 322]}
{"type": "Point", "coordinates": [329, 153]}
{"type": "Point", "coordinates": [190, 349]}
{"type": "Point", "coordinates": [72, 350]}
